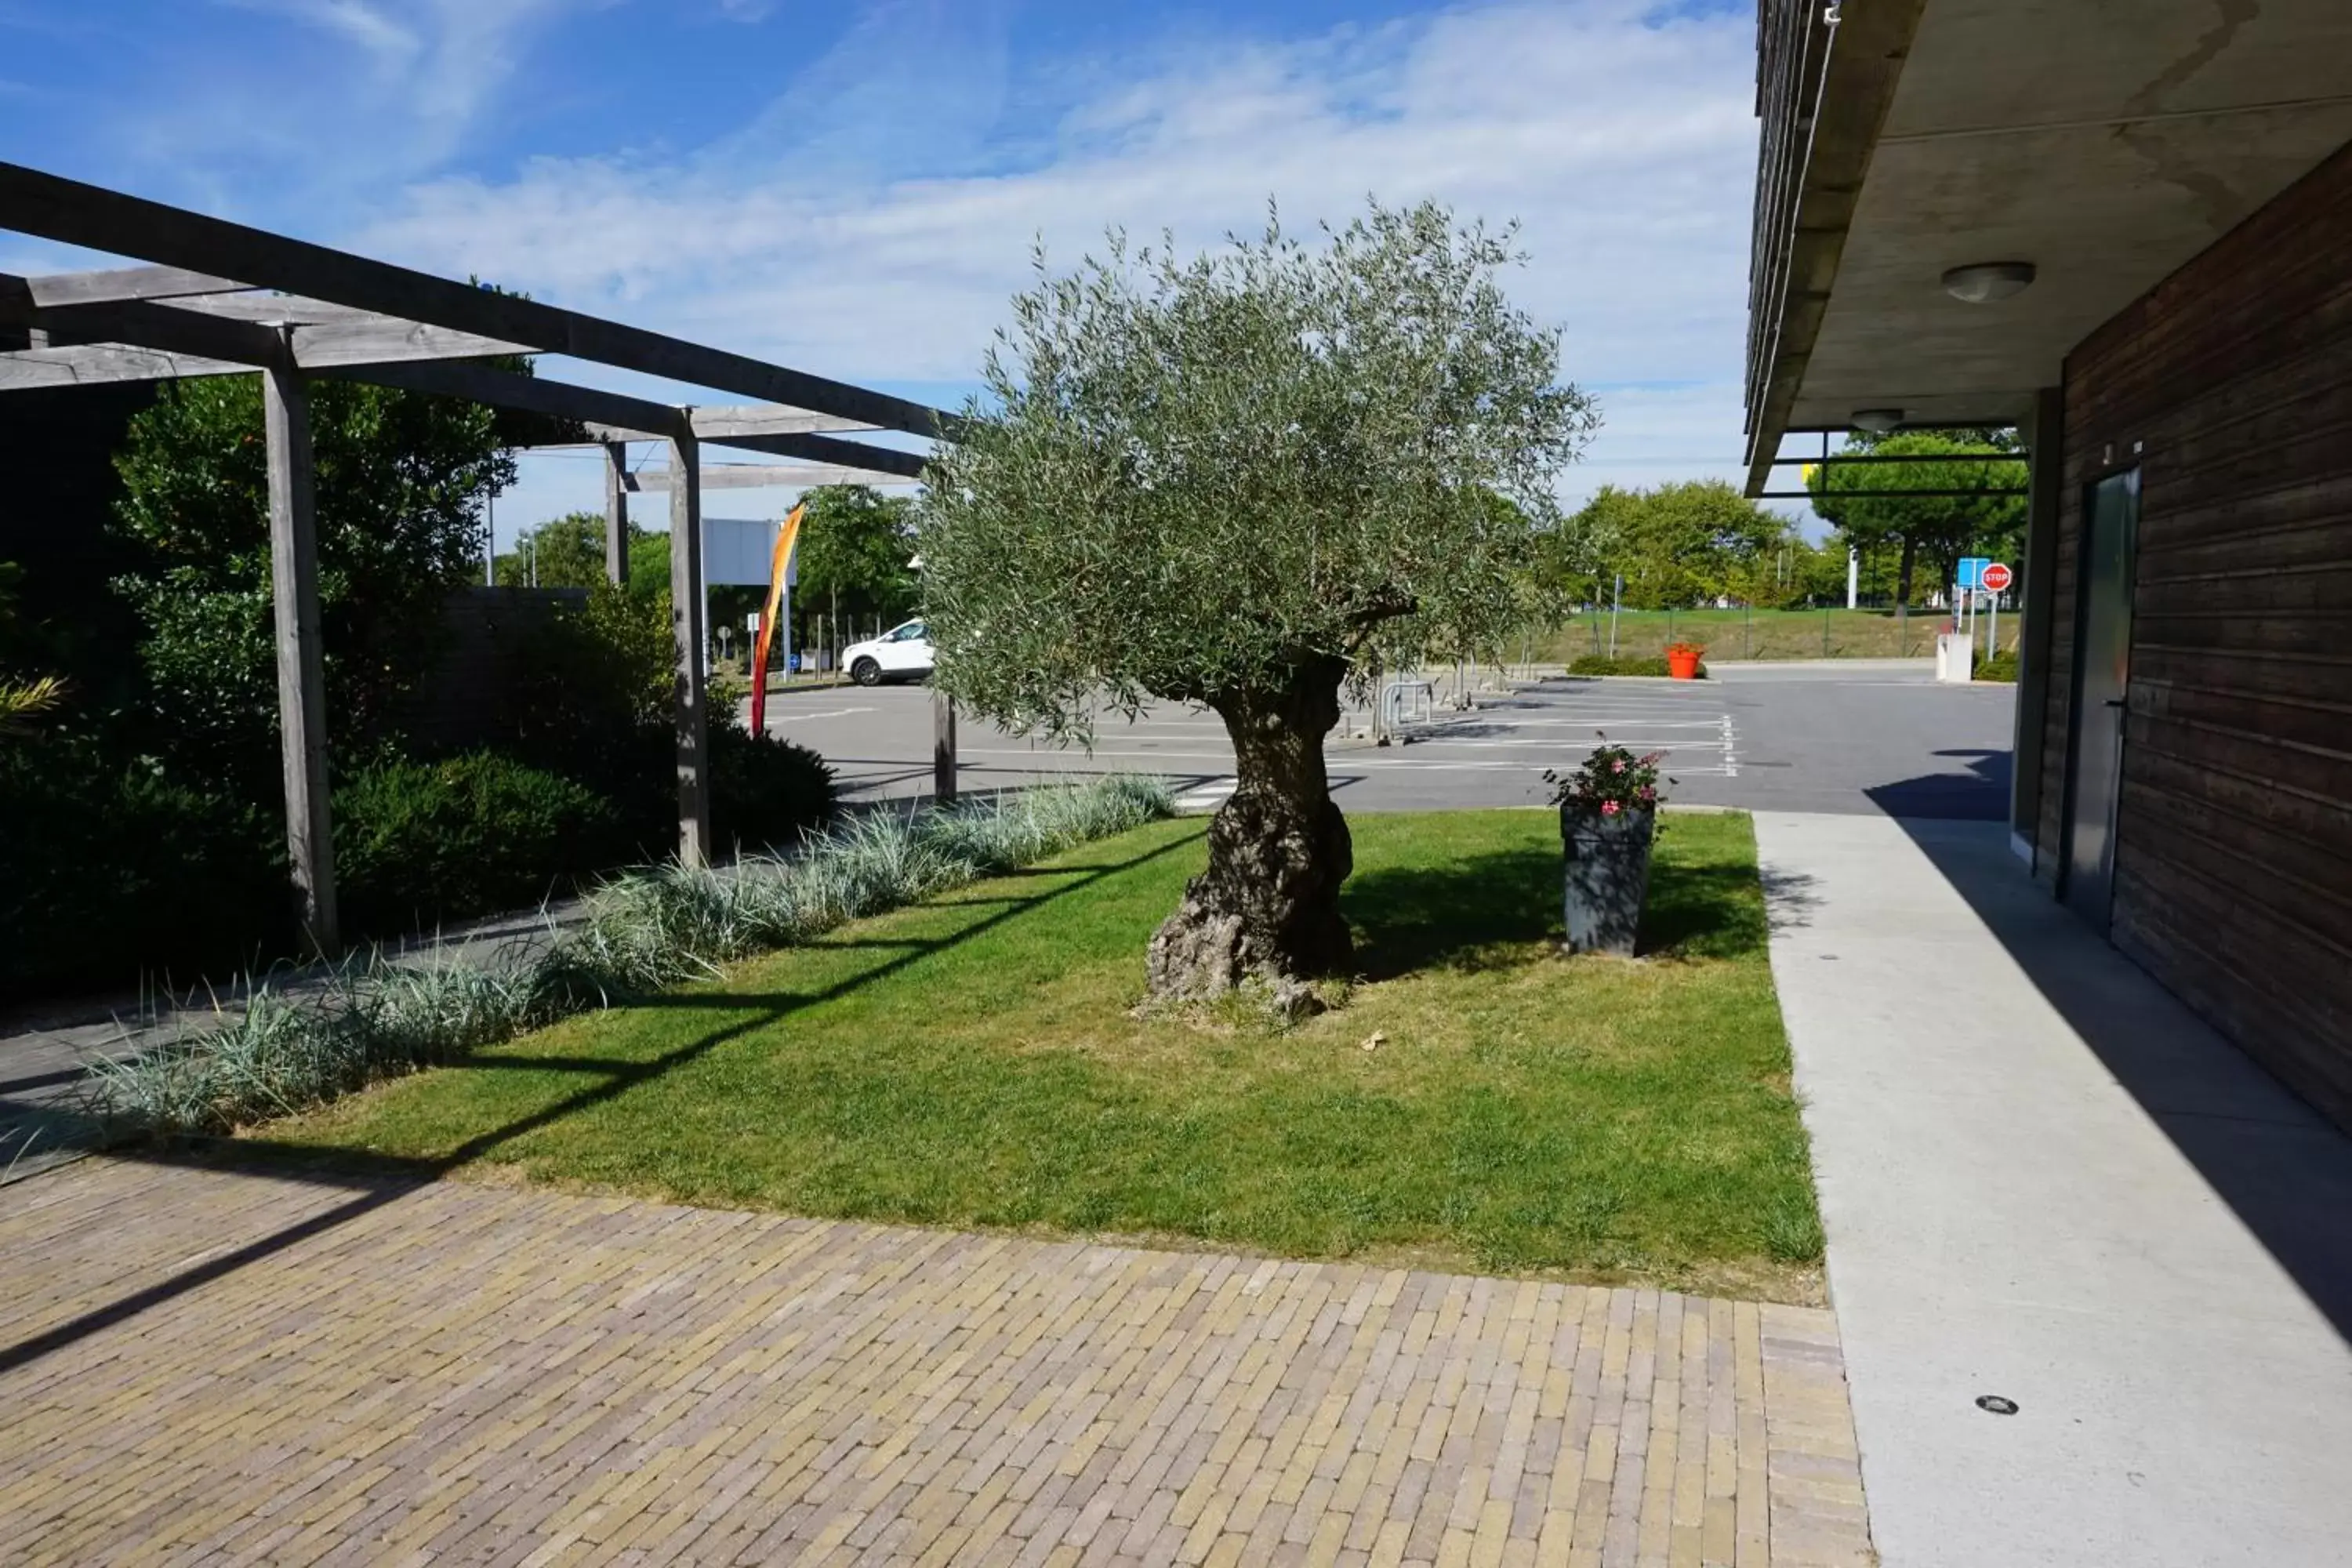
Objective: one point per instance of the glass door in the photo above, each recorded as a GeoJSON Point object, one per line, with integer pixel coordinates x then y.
{"type": "Point", "coordinates": [2103, 622]}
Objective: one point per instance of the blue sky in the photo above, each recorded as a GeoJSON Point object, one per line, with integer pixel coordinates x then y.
{"type": "Point", "coordinates": [852, 187]}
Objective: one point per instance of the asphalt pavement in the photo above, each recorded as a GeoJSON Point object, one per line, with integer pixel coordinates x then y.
{"type": "Point", "coordinates": [1864, 736]}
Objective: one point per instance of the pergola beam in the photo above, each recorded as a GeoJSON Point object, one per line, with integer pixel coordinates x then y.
{"type": "Point", "coordinates": [120, 283]}
{"type": "Point", "coordinates": [223, 332]}
{"type": "Point", "coordinates": [72, 213]}
{"type": "Point", "coordinates": [523, 394]}
{"type": "Point", "coordinates": [142, 323]}
{"type": "Point", "coordinates": [219, 299]}
{"type": "Point", "coordinates": [825, 449]}
{"type": "Point", "coordinates": [96, 364]}
{"type": "Point", "coordinates": [764, 476]}
{"type": "Point", "coordinates": [88, 343]}
{"type": "Point", "coordinates": [767, 419]}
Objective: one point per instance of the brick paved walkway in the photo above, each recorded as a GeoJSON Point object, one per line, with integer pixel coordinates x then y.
{"type": "Point", "coordinates": [462, 1374]}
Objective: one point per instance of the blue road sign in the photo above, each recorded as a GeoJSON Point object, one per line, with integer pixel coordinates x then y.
{"type": "Point", "coordinates": [1973, 570]}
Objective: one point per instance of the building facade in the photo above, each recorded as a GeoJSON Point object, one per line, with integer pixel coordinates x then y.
{"type": "Point", "coordinates": [2127, 231]}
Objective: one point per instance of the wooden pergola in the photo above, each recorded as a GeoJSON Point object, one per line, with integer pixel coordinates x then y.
{"type": "Point", "coordinates": [214, 298]}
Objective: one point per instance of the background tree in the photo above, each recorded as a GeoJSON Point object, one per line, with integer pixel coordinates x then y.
{"type": "Point", "coordinates": [854, 545]}
{"type": "Point", "coordinates": [1928, 529]}
{"type": "Point", "coordinates": [402, 479]}
{"type": "Point", "coordinates": [1235, 482]}
{"type": "Point", "coordinates": [568, 551]}
{"type": "Point", "coordinates": [1681, 543]}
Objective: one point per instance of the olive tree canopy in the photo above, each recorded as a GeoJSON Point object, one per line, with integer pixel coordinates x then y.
{"type": "Point", "coordinates": [1237, 480]}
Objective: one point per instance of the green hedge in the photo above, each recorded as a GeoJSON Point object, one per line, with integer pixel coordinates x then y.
{"type": "Point", "coordinates": [2002, 666]}
{"type": "Point", "coordinates": [417, 843]}
{"type": "Point", "coordinates": [764, 792]}
{"type": "Point", "coordinates": [111, 873]}
{"type": "Point", "coordinates": [1601, 663]}
{"type": "Point", "coordinates": [109, 869]}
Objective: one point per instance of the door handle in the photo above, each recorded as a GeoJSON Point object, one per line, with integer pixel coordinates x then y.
{"type": "Point", "coordinates": [2116, 702]}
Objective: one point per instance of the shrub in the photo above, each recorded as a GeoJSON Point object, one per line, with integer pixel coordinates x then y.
{"type": "Point", "coordinates": [764, 792]}
{"type": "Point", "coordinates": [2002, 666]}
{"type": "Point", "coordinates": [594, 704]}
{"type": "Point", "coordinates": [110, 870]}
{"type": "Point", "coordinates": [1628, 663]}
{"type": "Point", "coordinates": [416, 843]}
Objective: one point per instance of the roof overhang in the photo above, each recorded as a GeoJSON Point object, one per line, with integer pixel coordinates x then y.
{"type": "Point", "coordinates": [2106, 148]}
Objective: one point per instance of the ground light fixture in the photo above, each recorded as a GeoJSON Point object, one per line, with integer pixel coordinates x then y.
{"type": "Point", "coordinates": [1877, 421]}
{"type": "Point", "coordinates": [1982, 282]}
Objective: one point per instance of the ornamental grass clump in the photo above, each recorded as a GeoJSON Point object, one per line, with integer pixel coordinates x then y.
{"type": "Point", "coordinates": [645, 931]}
{"type": "Point", "coordinates": [284, 1050]}
{"type": "Point", "coordinates": [648, 930]}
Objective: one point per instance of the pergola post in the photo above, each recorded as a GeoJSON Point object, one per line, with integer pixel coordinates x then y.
{"type": "Point", "coordinates": [616, 513]}
{"type": "Point", "coordinates": [685, 622]}
{"type": "Point", "coordinates": [301, 669]}
{"type": "Point", "coordinates": [944, 747]}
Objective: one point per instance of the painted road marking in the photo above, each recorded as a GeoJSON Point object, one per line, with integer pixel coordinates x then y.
{"type": "Point", "coordinates": [1207, 796]}
{"type": "Point", "coordinates": [776, 719]}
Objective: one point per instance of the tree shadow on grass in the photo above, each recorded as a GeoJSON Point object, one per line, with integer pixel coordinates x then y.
{"type": "Point", "coordinates": [1483, 912]}
{"type": "Point", "coordinates": [1502, 908]}
{"type": "Point", "coordinates": [1712, 911]}
{"type": "Point", "coordinates": [377, 1179]}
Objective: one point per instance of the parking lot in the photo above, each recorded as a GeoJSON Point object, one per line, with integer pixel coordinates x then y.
{"type": "Point", "coordinates": [1854, 736]}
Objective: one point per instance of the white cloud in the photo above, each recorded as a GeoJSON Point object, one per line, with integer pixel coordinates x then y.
{"type": "Point", "coordinates": [871, 219]}
{"type": "Point", "coordinates": [393, 44]}
{"type": "Point", "coordinates": [390, 91]}
{"type": "Point", "coordinates": [1625, 148]}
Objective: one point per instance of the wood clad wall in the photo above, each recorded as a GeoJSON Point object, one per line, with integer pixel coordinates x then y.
{"type": "Point", "coordinates": [2230, 385]}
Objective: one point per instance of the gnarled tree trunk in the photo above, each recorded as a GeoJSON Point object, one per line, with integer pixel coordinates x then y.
{"type": "Point", "coordinates": [1268, 904]}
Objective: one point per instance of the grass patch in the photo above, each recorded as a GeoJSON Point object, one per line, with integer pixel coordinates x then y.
{"type": "Point", "coordinates": [1747, 633]}
{"type": "Point", "coordinates": [973, 1061]}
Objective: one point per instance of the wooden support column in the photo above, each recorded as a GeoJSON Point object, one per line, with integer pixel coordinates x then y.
{"type": "Point", "coordinates": [944, 747]}
{"type": "Point", "coordinates": [2046, 455]}
{"type": "Point", "coordinates": [616, 513]}
{"type": "Point", "coordinates": [685, 623]}
{"type": "Point", "coordinates": [301, 669]}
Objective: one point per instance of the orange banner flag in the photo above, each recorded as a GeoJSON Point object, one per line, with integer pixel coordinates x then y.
{"type": "Point", "coordinates": [780, 566]}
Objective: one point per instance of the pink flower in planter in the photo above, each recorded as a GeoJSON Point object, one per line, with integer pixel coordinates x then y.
{"type": "Point", "coordinates": [1648, 792]}
{"type": "Point", "coordinates": [1620, 765]}
{"type": "Point", "coordinates": [1608, 808]}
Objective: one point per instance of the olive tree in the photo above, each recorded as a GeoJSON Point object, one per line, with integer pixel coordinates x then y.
{"type": "Point", "coordinates": [1242, 481]}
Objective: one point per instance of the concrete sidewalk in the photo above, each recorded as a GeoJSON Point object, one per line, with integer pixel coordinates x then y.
{"type": "Point", "coordinates": [2042, 1178]}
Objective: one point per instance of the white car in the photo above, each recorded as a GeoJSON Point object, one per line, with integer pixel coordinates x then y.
{"type": "Point", "coordinates": [902, 653]}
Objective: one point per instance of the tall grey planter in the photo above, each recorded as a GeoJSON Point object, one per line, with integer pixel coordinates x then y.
{"type": "Point", "coordinates": [1608, 875]}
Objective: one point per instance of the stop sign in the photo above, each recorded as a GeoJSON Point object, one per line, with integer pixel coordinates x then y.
{"type": "Point", "coordinates": [1997, 577]}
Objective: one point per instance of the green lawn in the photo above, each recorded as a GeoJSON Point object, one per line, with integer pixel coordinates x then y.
{"type": "Point", "coordinates": [1758, 634]}
{"type": "Point", "coordinates": [974, 1062]}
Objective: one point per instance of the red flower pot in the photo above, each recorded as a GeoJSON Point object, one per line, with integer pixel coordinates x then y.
{"type": "Point", "coordinates": [1681, 662]}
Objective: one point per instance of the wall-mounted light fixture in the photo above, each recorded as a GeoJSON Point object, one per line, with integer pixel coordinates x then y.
{"type": "Point", "coordinates": [1982, 282]}
{"type": "Point", "coordinates": [1877, 421]}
